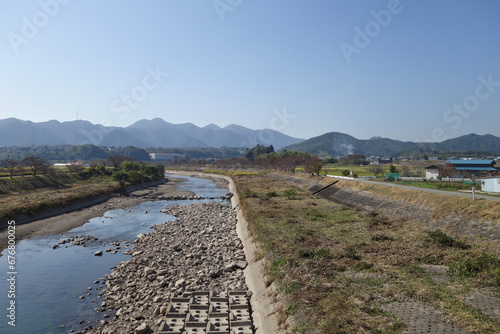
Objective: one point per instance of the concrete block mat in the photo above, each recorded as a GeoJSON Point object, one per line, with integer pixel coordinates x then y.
{"type": "Point", "coordinates": [420, 318]}
{"type": "Point", "coordinates": [484, 301]}
{"type": "Point", "coordinates": [201, 312]}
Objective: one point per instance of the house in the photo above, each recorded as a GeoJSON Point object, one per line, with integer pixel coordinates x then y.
{"type": "Point", "coordinates": [432, 172]}
{"type": "Point", "coordinates": [478, 167]}
{"type": "Point", "coordinates": [379, 160]}
{"type": "Point", "coordinates": [491, 185]}
{"type": "Point", "coordinates": [458, 168]}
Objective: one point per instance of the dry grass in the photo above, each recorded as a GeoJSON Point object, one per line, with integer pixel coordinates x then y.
{"type": "Point", "coordinates": [441, 204]}
{"type": "Point", "coordinates": [336, 266]}
{"type": "Point", "coordinates": [33, 201]}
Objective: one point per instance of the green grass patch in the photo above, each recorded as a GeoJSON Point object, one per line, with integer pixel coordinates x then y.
{"type": "Point", "coordinates": [446, 240]}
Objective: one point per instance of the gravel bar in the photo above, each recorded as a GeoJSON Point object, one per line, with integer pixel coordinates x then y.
{"type": "Point", "coordinates": [199, 251]}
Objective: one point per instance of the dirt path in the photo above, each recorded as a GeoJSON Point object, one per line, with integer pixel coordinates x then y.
{"type": "Point", "coordinates": [67, 221]}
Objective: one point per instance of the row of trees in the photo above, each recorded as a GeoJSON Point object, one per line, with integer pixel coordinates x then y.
{"type": "Point", "coordinates": [133, 171]}
{"type": "Point", "coordinates": [34, 164]}
{"type": "Point", "coordinates": [72, 152]}
{"type": "Point", "coordinates": [265, 158]}
{"type": "Point", "coordinates": [138, 172]}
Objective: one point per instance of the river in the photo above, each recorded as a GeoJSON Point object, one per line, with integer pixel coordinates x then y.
{"type": "Point", "coordinates": [48, 282]}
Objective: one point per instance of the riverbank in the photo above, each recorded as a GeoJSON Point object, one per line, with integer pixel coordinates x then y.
{"type": "Point", "coordinates": [208, 249]}
{"type": "Point", "coordinates": [82, 212]}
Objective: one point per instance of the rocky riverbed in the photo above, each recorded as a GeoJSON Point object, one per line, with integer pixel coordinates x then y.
{"type": "Point", "coordinates": [200, 251]}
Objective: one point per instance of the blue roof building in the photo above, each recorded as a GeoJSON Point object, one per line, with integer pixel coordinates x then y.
{"type": "Point", "coordinates": [476, 166]}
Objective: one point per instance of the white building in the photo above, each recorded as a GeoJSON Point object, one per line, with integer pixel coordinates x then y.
{"type": "Point", "coordinates": [164, 156]}
{"type": "Point", "coordinates": [432, 172]}
{"type": "Point", "coordinates": [491, 185]}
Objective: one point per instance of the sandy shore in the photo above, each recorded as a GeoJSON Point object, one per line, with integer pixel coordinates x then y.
{"type": "Point", "coordinates": [68, 221]}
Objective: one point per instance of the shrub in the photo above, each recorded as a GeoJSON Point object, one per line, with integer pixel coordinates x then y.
{"type": "Point", "coordinates": [446, 240]}
{"type": "Point", "coordinates": [271, 194]}
{"type": "Point", "coordinates": [121, 176]}
{"type": "Point", "coordinates": [290, 193]}
{"type": "Point", "coordinates": [345, 172]}
{"type": "Point", "coordinates": [249, 193]}
{"type": "Point", "coordinates": [475, 265]}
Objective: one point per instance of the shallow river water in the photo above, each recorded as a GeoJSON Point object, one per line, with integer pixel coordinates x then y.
{"type": "Point", "coordinates": [49, 282]}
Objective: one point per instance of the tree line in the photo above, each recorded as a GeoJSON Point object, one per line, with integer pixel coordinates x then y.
{"type": "Point", "coordinates": [264, 157]}
{"type": "Point", "coordinates": [123, 169]}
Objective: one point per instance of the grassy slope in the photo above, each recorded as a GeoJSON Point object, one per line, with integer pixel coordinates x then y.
{"type": "Point", "coordinates": [30, 195]}
{"type": "Point", "coordinates": [441, 204]}
{"type": "Point", "coordinates": [335, 266]}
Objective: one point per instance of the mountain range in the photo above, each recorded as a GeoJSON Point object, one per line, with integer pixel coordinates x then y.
{"type": "Point", "coordinates": [159, 133]}
{"type": "Point", "coordinates": [143, 133]}
{"type": "Point", "coordinates": [339, 144]}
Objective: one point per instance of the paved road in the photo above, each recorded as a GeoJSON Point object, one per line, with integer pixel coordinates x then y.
{"type": "Point", "coordinates": [443, 192]}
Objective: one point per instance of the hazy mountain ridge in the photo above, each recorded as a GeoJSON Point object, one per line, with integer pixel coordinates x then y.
{"type": "Point", "coordinates": [143, 133]}
{"type": "Point", "coordinates": [336, 143]}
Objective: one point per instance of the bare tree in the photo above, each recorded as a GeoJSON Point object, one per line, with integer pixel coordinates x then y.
{"type": "Point", "coordinates": [11, 165]}
{"type": "Point", "coordinates": [292, 162]}
{"type": "Point", "coordinates": [313, 165]}
{"type": "Point", "coordinates": [74, 167]}
{"type": "Point", "coordinates": [376, 170]}
{"type": "Point", "coordinates": [115, 160]}
{"type": "Point", "coordinates": [35, 164]}
{"type": "Point", "coordinates": [447, 171]}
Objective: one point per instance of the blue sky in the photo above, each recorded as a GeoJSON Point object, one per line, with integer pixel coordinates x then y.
{"type": "Point", "coordinates": [408, 70]}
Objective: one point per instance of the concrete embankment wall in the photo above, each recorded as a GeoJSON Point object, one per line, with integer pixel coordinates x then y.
{"type": "Point", "coordinates": [263, 306]}
{"type": "Point", "coordinates": [76, 205]}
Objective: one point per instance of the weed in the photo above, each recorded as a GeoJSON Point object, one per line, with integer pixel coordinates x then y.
{"type": "Point", "coordinates": [271, 194]}
{"type": "Point", "coordinates": [351, 253]}
{"type": "Point", "coordinates": [446, 240]}
{"type": "Point", "coordinates": [292, 308]}
{"type": "Point", "coordinates": [247, 193]}
{"type": "Point", "coordinates": [382, 237]}
{"type": "Point", "coordinates": [376, 219]}
{"type": "Point", "coordinates": [275, 270]}
{"type": "Point", "coordinates": [363, 265]}
{"type": "Point", "coordinates": [472, 266]}
{"type": "Point", "coordinates": [315, 254]}
{"type": "Point", "coordinates": [291, 287]}
{"type": "Point", "coordinates": [290, 193]}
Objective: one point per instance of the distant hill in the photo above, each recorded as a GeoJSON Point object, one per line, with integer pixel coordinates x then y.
{"type": "Point", "coordinates": [336, 143]}
{"type": "Point", "coordinates": [472, 142]}
{"type": "Point", "coordinates": [144, 133]}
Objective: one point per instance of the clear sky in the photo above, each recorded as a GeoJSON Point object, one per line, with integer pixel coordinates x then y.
{"type": "Point", "coordinates": [410, 70]}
